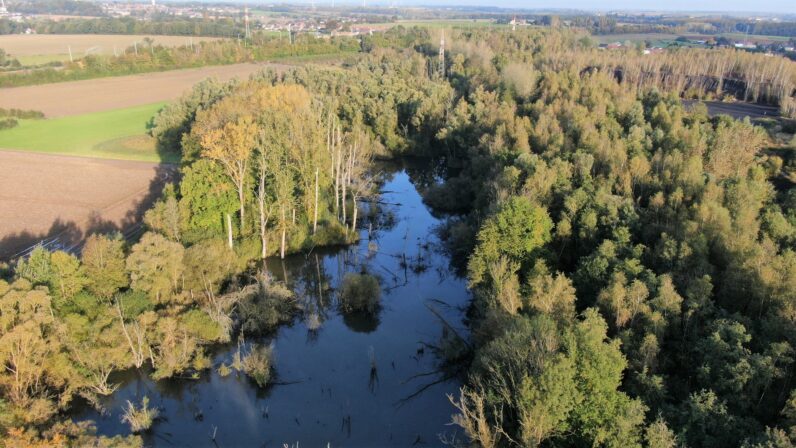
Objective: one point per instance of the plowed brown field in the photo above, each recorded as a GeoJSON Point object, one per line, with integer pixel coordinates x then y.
{"type": "Point", "coordinates": [60, 199]}
{"type": "Point", "coordinates": [96, 95]}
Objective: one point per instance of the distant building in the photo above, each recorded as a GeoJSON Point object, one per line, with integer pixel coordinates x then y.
{"type": "Point", "coordinates": [745, 45]}
{"type": "Point", "coordinates": [611, 46]}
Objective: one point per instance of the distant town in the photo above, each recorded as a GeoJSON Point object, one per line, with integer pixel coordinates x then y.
{"type": "Point", "coordinates": [649, 32]}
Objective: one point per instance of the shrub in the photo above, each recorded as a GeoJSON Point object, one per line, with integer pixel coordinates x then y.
{"type": "Point", "coordinates": [224, 370]}
{"type": "Point", "coordinates": [360, 293]}
{"type": "Point", "coordinates": [246, 250]}
{"type": "Point", "coordinates": [199, 324]}
{"type": "Point", "coordinates": [135, 303]}
{"type": "Point", "coordinates": [140, 419]}
{"type": "Point", "coordinates": [269, 305]}
{"type": "Point", "coordinates": [258, 364]}
{"type": "Point", "coordinates": [330, 233]}
{"type": "Point", "coordinates": [8, 123]}
{"type": "Point", "coordinates": [22, 114]}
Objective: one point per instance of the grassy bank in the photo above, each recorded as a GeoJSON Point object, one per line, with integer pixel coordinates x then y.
{"type": "Point", "coordinates": [116, 134]}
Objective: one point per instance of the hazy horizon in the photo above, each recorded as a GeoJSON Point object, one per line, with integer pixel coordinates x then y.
{"type": "Point", "coordinates": [730, 6]}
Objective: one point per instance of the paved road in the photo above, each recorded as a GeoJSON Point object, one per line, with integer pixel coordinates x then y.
{"type": "Point", "coordinates": [737, 110]}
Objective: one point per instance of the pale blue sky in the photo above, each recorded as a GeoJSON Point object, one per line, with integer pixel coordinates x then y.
{"type": "Point", "coordinates": [784, 7]}
{"type": "Point", "coordinates": [779, 6]}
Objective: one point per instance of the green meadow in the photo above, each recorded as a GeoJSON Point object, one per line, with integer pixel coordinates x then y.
{"type": "Point", "coordinates": [115, 134]}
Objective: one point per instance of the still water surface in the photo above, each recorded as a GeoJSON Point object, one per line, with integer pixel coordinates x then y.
{"type": "Point", "coordinates": [325, 391]}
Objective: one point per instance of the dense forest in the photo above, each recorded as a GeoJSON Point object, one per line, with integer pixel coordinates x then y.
{"type": "Point", "coordinates": [698, 73]}
{"type": "Point", "coordinates": [632, 265]}
{"type": "Point", "coordinates": [631, 262]}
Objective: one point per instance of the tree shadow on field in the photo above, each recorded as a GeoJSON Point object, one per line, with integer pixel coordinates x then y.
{"type": "Point", "coordinates": [69, 236]}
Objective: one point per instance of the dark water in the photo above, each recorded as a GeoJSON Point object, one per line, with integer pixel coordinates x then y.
{"type": "Point", "coordinates": [324, 377]}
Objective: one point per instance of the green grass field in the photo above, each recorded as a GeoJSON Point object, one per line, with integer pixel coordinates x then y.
{"type": "Point", "coordinates": [116, 134]}
{"type": "Point", "coordinates": [39, 59]}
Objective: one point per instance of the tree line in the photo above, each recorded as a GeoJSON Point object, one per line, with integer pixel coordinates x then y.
{"type": "Point", "coordinates": [169, 26]}
{"type": "Point", "coordinates": [63, 7]}
{"type": "Point", "coordinates": [147, 56]}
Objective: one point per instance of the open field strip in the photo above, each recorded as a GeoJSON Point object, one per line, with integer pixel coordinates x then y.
{"type": "Point", "coordinates": [465, 23]}
{"type": "Point", "coordinates": [116, 134]}
{"type": "Point", "coordinates": [433, 23]}
{"type": "Point", "coordinates": [41, 48]}
{"type": "Point", "coordinates": [116, 92]}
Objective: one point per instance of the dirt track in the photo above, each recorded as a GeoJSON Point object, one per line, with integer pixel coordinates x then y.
{"type": "Point", "coordinates": [95, 95]}
{"type": "Point", "coordinates": [60, 198]}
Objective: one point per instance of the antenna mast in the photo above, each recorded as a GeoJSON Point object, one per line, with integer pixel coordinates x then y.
{"type": "Point", "coordinates": [245, 20]}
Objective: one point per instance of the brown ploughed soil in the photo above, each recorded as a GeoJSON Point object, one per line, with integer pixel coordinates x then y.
{"type": "Point", "coordinates": [61, 199]}
{"type": "Point", "coordinates": [118, 92]}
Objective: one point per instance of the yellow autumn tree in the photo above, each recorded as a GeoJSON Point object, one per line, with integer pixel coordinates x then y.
{"type": "Point", "coordinates": [231, 146]}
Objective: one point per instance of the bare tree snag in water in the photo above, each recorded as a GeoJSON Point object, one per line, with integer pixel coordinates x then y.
{"type": "Point", "coordinates": [315, 208]}
{"type": "Point", "coordinates": [136, 349]}
{"type": "Point", "coordinates": [229, 230]}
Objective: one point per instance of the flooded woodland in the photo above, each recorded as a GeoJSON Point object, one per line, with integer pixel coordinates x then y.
{"type": "Point", "coordinates": [341, 378]}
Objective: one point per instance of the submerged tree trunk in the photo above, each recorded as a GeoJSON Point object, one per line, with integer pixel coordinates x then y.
{"type": "Point", "coordinates": [338, 172]}
{"type": "Point", "coordinates": [242, 213]}
{"type": "Point", "coordinates": [354, 217]}
{"type": "Point", "coordinates": [284, 232]}
{"type": "Point", "coordinates": [315, 209]}
{"type": "Point", "coordinates": [345, 218]}
{"type": "Point", "coordinates": [137, 352]}
{"type": "Point", "coordinates": [229, 230]}
{"type": "Point", "coordinates": [261, 201]}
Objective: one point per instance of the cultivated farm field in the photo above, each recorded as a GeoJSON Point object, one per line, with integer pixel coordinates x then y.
{"type": "Point", "coordinates": [43, 48]}
{"type": "Point", "coordinates": [58, 198]}
{"type": "Point", "coordinates": [96, 95]}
